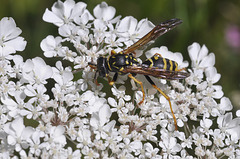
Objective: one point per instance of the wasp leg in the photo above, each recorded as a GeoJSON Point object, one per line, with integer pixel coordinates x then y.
{"type": "Point", "coordinates": [111, 82]}
{"type": "Point", "coordinates": [140, 83]}
{"type": "Point", "coordinates": [167, 97]}
{"type": "Point", "coordinates": [182, 69]}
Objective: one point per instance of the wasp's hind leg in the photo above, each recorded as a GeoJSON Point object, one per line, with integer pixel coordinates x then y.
{"type": "Point", "coordinates": [140, 83]}
{"type": "Point", "coordinates": [167, 97]}
{"type": "Point", "coordinates": [111, 82]}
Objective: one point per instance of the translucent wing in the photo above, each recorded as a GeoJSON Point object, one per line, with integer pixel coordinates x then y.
{"type": "Point", "coordinates": [156, 72]}
{"type": "Point", "coordinates": [157, 31]}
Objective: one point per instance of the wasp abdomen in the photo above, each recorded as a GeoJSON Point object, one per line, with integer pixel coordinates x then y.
{"type": "Point", "coordinates": [161, 63]}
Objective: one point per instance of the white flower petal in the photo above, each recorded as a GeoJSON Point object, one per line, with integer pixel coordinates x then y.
{"type": "Point", "coordinates": [18, 126]}
{"type": "Point", "coordinates": [225, 104]}
{"type": "Point", "coordinates": [68, 7]}
{"type": "Point", "coordinates": [112, 102]}
{"type": "Point", "coordinates": [8, 29]}
{"type": "Point", "coordinates": [125, 24]}
{"type": "Point", "coordinates": [18, 43]}
{"type": "Point", "coordinates": [109, 126]}
{"type": "Point", "coordinates": [104, 114]}
{"type": "Point", "coordinates": [45, 72]}
{"type": "Point", "coordinates": [193, 51]}
{"type": "Point", "coordinates": [143, 27]}
{"type": "Point", "coordinates": [104, 12]}
{"type": "Point", "coordinates": [94, 121]}
{"type": "Point", "coordinates": [11, 140]}
{"type": "Point", "coordinates": [50, 17]}
{"type": "Point", "coordinates": [202, 52]}
{"type": "Point", "coordinates": [208, 61]}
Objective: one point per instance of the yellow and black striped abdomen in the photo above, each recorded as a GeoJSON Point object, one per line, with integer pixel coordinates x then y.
{"type": "Point", "coordinates": [162, 63]}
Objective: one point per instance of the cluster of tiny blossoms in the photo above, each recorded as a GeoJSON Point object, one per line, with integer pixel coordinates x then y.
{"type": "Point", "coordinates": [77, 119]}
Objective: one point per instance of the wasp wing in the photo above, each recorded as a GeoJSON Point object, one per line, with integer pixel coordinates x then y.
{"type": "Point", "coordinates": [156, 72]}
{"type": "Point", "coordinates": [157, 31]}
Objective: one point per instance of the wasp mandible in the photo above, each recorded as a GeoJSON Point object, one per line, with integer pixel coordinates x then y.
{"type": "Point", "coordinates": [125, 62]}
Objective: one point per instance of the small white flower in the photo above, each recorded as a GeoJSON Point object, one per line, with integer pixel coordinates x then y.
{"type": "Point", "coordinates": [18, 134]}
{"type": "Point", "coordinates": [205, 125]}
{"type": "Point", "coordinates": [229, 125]}
{"type": "Point", "coordinates": [63, 76]}
{"type": "Point", "coordinates": [56, 135]}
{"type": "Point", "coordinates": [200, 57]}
{"type": "Point", "coordinates": [120, 93]}
{"type": "Point", "coordinates": [84, 138]}
{"type": "Point", "coordinates": [64, 12]}
{"type": "Point", "coordinates": [51, 46]}
{"type": "Point", "coordinates": [35, 143]}
{"type": "Point", "coordinates": [225, 105]}
{"type": "Point", "coordinates": [104, 12]}
{"type": "Point", "coordinates": [150, 151]}
{"type": "Point", "coordinates": [14, 105]}
{"type": "Point", "coordinates": [32, 73]}
{"type": "Point", "coordinates": [169, 146]}
{"type": "Point", "coordinates": [149, 133]}
{"type": "Point", "coordinates": [212, 75]}
{"type": "Point", "coordinates": [100, 122]}
{"type": "Point", "coordinates": [199, 151]}
{"type": "Point", "coordinates": [218, 138]}
{"type": "Point", "coordinates": [10, 41]}
{"type": "Point", "coordinates": [131, 30]}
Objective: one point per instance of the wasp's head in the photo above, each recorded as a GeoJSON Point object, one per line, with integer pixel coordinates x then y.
{"type": "Point", "coordinates": [101, 67]}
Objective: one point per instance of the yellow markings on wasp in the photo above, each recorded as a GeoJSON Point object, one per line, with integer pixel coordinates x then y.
{"type": "Point", "coordinates": [165, 64]}
{"type": "Point", "coordinates": [126, 62]}
{"type": "Point", "coordinates": [176, 66]}
{"type": "Point", "coordinates": [135, 59]}
{"type": "Point", "coordinates": [156, 57]}
{"type": "Point", "coordinates": [151, 65]}
{"type": "Point", "coordinates": [109, 64]}
{"type": "Point", "coordinates": [113, 52]}
{"type": "Point", "coordinates": [121, 69]}
{"type": "Point", "coordinates": [171, 65]}
{"type": "Point", "coordinates": [126, 56]}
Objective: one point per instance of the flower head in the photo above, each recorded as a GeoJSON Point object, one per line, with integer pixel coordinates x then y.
{"type": "Point", "coordinates": [66, 111]}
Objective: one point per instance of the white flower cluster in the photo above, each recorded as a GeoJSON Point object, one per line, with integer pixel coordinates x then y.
{"type": "Point", "coordinates": [77, 119]}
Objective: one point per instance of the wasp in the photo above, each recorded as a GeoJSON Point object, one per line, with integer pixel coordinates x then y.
{"type": "Point", "coordinates": [125, 62]}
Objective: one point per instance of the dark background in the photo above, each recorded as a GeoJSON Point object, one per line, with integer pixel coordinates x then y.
{"type": "Point", "coordinates": [215, 23]}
